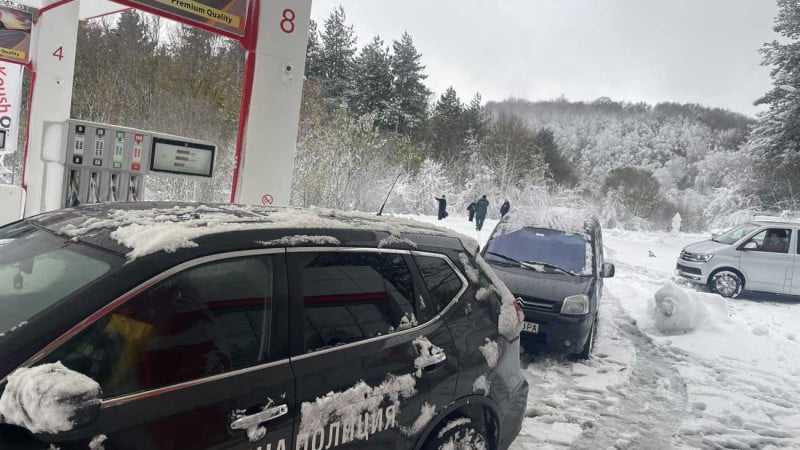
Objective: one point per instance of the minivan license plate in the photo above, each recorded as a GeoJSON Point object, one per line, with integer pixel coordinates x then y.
{"type": "Point", "coordinates": [530, 327]}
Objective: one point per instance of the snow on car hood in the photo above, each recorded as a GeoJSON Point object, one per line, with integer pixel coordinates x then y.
{"type": "Point", "coordinates": [547, 286]}
{"type": "Point", "coordinates": [706, 247]}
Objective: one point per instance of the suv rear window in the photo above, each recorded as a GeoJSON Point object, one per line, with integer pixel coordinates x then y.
{"type": "Point", "coordinates": [349, 297]}
{"type": "Point", "coordinates": [440, 278]}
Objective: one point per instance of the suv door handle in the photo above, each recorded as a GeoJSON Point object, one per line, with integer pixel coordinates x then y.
{"type": "Point", "coordinates": [266, 415]}
{"type": "Point", "coordinates": [423, 362]}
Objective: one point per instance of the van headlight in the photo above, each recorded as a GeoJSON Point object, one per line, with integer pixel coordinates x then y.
{"type": "Point", "coordinates": [576, 305]}
{"type": "Point", "coordinates": [696, 257]}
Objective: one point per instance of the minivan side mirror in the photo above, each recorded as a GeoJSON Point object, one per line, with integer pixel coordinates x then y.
{"type": "Point", "coordinates": [49, 399]}
{"type": "Point", "coordinates": [608, 271]}
{"type": "Point", "coordinates": [750, 245]}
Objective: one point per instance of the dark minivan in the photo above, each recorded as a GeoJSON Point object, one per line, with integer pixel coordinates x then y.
{"type": "Point", "coordinates": [552, 261]}
{"type": "Point", "coordinates": [182, 326]}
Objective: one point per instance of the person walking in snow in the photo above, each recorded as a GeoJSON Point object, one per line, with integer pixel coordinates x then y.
{"type": "Point", "coordinates": [442, 207]}
{"type": "Point", "coordinates": [480, 212]}
{"type": "Point", "coordinates": [504, 209]}
{"type": "Point", "coordinates": [471, 209]}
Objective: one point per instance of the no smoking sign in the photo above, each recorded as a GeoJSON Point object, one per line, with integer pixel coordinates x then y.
{"type": "Point", "coordinates": [267, 199]}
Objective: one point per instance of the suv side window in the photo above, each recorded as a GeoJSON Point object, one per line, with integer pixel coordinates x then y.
{"type": "Point", "coordinates": [349, 297]}
{"type": "Point", "coordinates": [204, 321]}
{"type": "Point", "coordinates": [773, 240]}
{"type": "Point", "coordinates": [440, 278]}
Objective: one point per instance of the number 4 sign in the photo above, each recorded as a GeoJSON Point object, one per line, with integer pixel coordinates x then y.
{"type": "Point", "coordinates": [59, 53]}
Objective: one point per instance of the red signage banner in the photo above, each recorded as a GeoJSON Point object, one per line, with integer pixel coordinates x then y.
{"type": "Point", "coordinates": [226, 15]}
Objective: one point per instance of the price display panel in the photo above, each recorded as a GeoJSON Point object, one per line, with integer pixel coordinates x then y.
{"type": "Point", "coordinates": [182, 158]}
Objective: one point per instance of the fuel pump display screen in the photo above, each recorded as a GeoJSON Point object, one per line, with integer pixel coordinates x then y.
{"type": "Point", "coordinates": [182, 158]}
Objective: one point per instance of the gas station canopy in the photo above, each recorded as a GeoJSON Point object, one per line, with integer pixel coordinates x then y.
{"type": "Point", "coordinates": [88, 9]}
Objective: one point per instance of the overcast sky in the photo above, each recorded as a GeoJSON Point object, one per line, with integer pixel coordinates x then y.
{"type": "Point", "coordinates": [702, 51]}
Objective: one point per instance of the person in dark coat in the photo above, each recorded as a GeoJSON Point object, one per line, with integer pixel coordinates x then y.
{"type": "Point", "coordinates": [471, 209]}
{"type": "Point", "coordinates": [480, 212]}
{"type": "Point", "coordinates": [504, 209]}
{"type": "Point", "coordinates": [442, 207]}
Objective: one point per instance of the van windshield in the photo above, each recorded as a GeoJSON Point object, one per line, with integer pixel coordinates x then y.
{"type": "Point", "coordinates": [37, 269]}
{"type": "Point", "coordinates": [736, 234]}
{"type": "Point", "coordinates": [552, 249]}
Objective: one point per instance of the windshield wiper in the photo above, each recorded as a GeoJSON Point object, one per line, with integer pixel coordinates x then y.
{"type": "Point", "coordinates": [551, 266]}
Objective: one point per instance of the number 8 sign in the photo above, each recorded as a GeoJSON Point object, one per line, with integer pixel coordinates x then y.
{"type": "Point", "coordinates": [287, 21]}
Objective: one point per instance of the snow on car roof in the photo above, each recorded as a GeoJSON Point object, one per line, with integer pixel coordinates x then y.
{"type": "Point", "coordinates": [147, 228]}
{"type": "Point", "coordinates": [560, 218]}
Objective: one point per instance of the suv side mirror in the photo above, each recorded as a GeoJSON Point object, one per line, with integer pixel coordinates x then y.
{"type": "Point", "coordinates": [750, 245]}
{"type": "Point", "coordinates": [49, 399]}
{"type": "Point", "coordinates": [608, 271]}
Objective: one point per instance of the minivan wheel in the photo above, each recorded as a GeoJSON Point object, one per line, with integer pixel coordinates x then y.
{"type": "Point", "coordinates": [726, 283]}
{"type": "Point", "coordinates": [458, 434]}
{"type": "Point", "coordinates": [589, 344]}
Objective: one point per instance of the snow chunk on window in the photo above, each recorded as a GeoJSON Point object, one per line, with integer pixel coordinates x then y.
{"type": "Point", "coordinates": [394, 240]}
{"type": "Point", "coordinates": [508, 324]}
{"type": "Point", "coordinates": [490, 353]}
{"type": "Point", "coordinates": [300, 239]}
{"type": "Point", "coordinates": [409, 320]}
{"type": "Point", "coordinates": [427, 352]}
{"type": "Point", "coordinates": [426, 413]}
{"type": "Point", "coordinates": [482, 384]}
{"type": "Point", "coordinates": [347, 406]}
{"type": "Point", "coordinates": [97, 442]}
{"type": "Point", "coordinates": [472, 272]}
{"type": "Point", "coordinates": [483, 293]}
{"type": "Point", "coordinates": [14, 328]}
{"type": "Point", "coordinates": [45, 399]}
{"type": "Point", "coordinates": [678, 311]}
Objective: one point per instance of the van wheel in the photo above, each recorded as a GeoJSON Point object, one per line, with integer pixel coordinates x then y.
{"type": "Point", "coordinates": [589, 344]}
{"type": "Point", "coordinates": [726, 283]}
{"type": "Point", "coordinates": [459, 433]}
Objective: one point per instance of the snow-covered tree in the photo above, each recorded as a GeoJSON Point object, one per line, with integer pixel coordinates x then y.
{"type": "Point", "coordinates": [776, 138]}
{"type": "Point", "coordinates": [372, 87]}
{"type": "Point", "coordinates": [337, 56]}
{"type": "Point", "coordinates": [410, 92]}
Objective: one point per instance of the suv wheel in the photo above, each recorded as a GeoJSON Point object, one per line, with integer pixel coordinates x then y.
{"type": "Point", "coordinates": [458, 434]}
{"type": "Point", "coordinates": [726, 283]}
{"type": "Point", "coordinates": [589, 344]}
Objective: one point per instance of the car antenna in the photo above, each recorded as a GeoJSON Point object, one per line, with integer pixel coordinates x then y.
{"type": "Point", "coordinates": [390, 193]}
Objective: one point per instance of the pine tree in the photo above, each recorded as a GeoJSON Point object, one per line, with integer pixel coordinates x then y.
{"type": "Point", "coordinates": [560, 169]}
{"type": "Point", "coordinates": [372, 89]}
{"type": "Point", "coordinates": [337, 56]}
{"type": "Point", "coordinates": [313, 52]}
{"type": "Point", "coordinates": [775, 142]}
{"type": "Point", "coordinates": [410, 92]}
{"type": "Point", "coordinates": [447, 126]}
{"type": "Point", "coordinates": [477, 122]}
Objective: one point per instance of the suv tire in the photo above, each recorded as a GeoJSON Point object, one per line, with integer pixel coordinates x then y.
{"type": "Point", "coordinates": [464, 436]}
{"type": "Point", "coordinates": [726, 283]}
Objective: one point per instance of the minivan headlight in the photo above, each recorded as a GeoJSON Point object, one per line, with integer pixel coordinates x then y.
{"type": "Point", "coordinates": [576, 305]}
{"type": "Point", "coordinates": [696, 257]}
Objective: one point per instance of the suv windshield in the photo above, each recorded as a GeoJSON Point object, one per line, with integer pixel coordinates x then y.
{"type": "Point", "coordinates": [37, 269]}
{"type": "Point", "coordinates": [552, 250]}
{"type": "Point", "coordinates": [735, 234]}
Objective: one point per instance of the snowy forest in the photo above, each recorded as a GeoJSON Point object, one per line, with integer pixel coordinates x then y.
{"type": "Point", "coordinates": [368, 122]}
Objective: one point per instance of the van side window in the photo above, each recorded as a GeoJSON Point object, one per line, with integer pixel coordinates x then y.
{"type": "Point", "coordinates": [442, 282]}
{"type": "Point", "coordinates": [349, 297]}
{"type": "Point", "coordinates": [773, 240]}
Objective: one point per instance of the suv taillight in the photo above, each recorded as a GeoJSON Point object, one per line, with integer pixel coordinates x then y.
{"type": "Point", "coordinates": [518, 307]}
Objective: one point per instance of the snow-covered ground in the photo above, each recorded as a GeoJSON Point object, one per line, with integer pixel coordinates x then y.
{"type": "Point", "coordinates": [689, 370]}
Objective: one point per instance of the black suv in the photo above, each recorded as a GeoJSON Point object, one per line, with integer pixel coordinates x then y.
{"type": "Point", "coordinates": [182, 326]}
{"type": "Point", "coordinates": [552, 260]}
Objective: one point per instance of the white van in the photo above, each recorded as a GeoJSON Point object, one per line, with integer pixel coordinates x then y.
{"type": "Point", "coordinates": [760, 255]}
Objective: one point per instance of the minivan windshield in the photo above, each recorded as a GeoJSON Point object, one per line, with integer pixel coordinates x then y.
{"type": "Point", "coordinates": [551, 250]}
{"type": "Point", "coordinates": [37, 269]}
{"type": "Point", "coordinates": [736, 234]}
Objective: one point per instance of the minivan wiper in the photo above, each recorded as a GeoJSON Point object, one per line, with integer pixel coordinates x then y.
{"type": "Point", "coordinates": [551, 266]}
{"type": "Point", "coordinates": [531, 265]}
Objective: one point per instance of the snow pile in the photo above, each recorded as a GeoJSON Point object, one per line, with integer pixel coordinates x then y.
{"type": "Point", "coordinates": [426, 413]}
{"type": "Point", "coordinates": [46, 398]}
{"type": "Point", "coordinates": [300, 239]}
{"type": "Point", "coordinates": [97, 442]}
{"type": "Point", "coordinates": [490, 352]}
{"type": "Point", "coordinates": [427, 352]}
{"type": "Point", "coordinates": [508, 324]}
{"type": "Point", "coordinates": [472, 272]}
{"type": "Point", "coordinates": [481, 384]}
{"type": "Point", "coordinates": [467, 439]}
{"type": "Point", "coordinates": [348, 405]}
{"type": "Point", "coordinates": [679, 311]}
{"type": "Point", "coordinates": [394, 240]}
